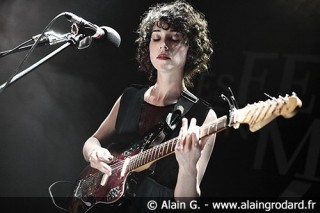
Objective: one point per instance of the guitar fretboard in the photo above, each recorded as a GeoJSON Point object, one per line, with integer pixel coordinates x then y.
{"type": "Point", "coordinates": [168, 147]}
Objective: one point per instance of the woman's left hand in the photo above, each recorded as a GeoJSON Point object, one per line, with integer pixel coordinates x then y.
{"type": "Point", "coordinates": [188, 148]}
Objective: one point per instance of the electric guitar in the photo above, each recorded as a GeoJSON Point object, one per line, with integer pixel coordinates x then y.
{"type": "Point", "coordinates": [88, 192]}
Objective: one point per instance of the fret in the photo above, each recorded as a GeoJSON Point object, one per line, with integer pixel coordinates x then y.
{"type": "Point", "coordinates": [130, 164]}
{"type": "Point", "coordinates": [167, 150]}
{"type": "Point", "coordinates": [144, 161]}
{"type": "Point", "coordinates": [157, 148]}
{"type": "Point", "coordinates": [164, 149]}
{"type": "Point", "coordinates": [152, 154]}
{"type": "Point", "coordinates": [160, 150]}
{"type": "Point", "coordinates": [155, 152]}
{"type": "Point", "coordinates": [138, 161]}
{"type": "Point", "coordinates": [150, 158]}
{"type": "Point", "coordinates": [214, 127]}
{"type": "Point", "coordinates": [173, 144]}
{"type": "Point", "coordinates": [208, 129]}
{"type": "Point", "coordinates": [146, 158]}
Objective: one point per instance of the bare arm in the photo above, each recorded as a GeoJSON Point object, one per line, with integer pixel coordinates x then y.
{"type": "Point", "coordinates": [193, 157]}
{"type": "Point", "coordinates": [92, 150]}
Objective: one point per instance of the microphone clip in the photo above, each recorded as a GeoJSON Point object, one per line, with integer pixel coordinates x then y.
{"type": "Point", "coordinates": [86, 40]}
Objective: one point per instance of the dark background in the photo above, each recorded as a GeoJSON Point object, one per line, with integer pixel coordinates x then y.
{"type": "Point", "coordinates": [260, 47]}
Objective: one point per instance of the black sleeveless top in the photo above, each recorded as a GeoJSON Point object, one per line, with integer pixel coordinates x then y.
{"type": "Point", "coordinates": [135, 117]}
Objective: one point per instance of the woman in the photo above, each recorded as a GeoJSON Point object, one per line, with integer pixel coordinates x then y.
{"type": "Point", "coordinates": [173, 46]}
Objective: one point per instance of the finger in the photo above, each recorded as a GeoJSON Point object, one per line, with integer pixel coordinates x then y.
{"type": "Point", "coordinates": [193, 128]}
{"type": "Point", "coordinates": [180, 138]}
{"type": "Point", "coordinates": [104, 179]}
{"type": "Point", "coordinates": [104, 168]}
{"type": "Point", "coordinates": [93, 156]}
{"type": "Point", "coordinates": [193, 123]}
{"type": "Point", "coordinates": [195, 140]}
{"type": "Point", "coordinates": [183, 131]}
{"type": "Point", "coordinates": [104, 155]}
{"type": "Point", "coordinates": [201, 144]}
{"type": "Point", "coordinates": [105, 158]}
{"type": "Point", "coordinates": [184, 126]}
{"type": "Point", "coordinates": [178, 146]}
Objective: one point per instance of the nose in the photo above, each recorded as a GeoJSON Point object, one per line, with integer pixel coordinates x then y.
{"type": "Point", "coordinates": [164, 46]}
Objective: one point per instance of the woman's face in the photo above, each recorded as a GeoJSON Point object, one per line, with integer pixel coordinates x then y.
{"type": "Point", "coordinates": [168, 50]}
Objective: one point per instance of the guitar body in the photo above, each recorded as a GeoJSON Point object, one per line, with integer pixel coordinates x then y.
{"type": "Point", "coordinates": [88, 192]}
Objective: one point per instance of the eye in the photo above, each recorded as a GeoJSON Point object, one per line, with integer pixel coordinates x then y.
{"type": "Point", "coordinates": [176, 37]}
{"type": "Point", "coordinates": [155, 37]}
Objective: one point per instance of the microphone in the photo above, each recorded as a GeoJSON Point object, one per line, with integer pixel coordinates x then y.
{"type": "Point", "coordinates": [101, 33]}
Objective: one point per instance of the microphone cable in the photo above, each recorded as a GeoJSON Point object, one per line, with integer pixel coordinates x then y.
{"type": "Point", "coordinates": [19, 47]}
{"type": "Point", "coordinates": [17, 70]}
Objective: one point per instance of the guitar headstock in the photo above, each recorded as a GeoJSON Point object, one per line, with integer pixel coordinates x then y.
{"type": "Point", "coordinates": [257, 115]}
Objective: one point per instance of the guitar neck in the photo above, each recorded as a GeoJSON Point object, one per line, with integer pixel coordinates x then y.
{"type": "Point", "coordinates": [155, 153]}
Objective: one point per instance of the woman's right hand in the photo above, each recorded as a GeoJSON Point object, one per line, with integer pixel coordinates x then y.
{"type": "Point", "coordinates": [99, 159]}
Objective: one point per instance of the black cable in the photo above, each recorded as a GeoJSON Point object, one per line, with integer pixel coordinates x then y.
{"type": "Point", "coordinates": [7, 83]}
{"type": "Point", "coordinates": [7, 52]}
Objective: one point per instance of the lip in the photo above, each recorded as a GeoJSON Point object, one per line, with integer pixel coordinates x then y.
{"type": "Point", "coordinates": [163, 56]}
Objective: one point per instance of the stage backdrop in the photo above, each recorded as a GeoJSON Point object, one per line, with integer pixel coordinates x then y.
{"type": "Point", "coordinates": [261, 47]}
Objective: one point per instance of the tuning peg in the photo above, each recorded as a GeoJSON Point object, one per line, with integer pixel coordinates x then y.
{"type": "Point", "coordinates": [234, 102]}
{"type": "Point", "coordinates": [269, 96]}
{"type": "Point", "coordinates": [284, 99]}
{"type": "Point", "coordinates": [223, 97]}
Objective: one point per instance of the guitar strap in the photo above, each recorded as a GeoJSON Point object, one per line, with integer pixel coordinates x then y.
{"type": "Point", "coordinates": [185, 102]}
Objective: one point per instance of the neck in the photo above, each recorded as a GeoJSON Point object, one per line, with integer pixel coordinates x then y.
{"type": "Point", "coordinates": [163, 93]}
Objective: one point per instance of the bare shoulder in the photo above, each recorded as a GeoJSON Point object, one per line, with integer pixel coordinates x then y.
{"type": "Point", "coordinates": [211, 116]}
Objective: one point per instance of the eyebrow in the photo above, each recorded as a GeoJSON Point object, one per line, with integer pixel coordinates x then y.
{"type": "Point", "coordinates": [158, 30]}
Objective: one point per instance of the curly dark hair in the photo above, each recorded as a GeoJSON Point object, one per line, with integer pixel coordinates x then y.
{"type": "Point", "coordinates": [182, 17]}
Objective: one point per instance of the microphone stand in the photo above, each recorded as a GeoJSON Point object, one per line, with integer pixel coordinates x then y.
{"type": "Point", "coordinates": [22, 48]}
{"type": "Point", "coordinates": [72, 40]}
